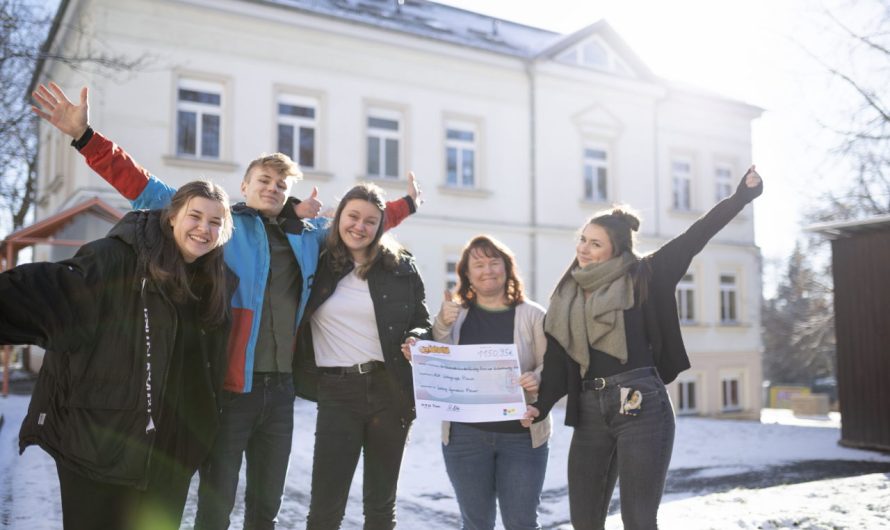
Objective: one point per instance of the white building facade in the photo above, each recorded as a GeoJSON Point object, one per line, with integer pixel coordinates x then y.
{"type": "Point", "coordinates": [512, 131]}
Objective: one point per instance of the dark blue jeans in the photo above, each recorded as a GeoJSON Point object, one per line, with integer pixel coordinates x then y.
{"type": "Point", "coordinates": [635, 448]}
{"type": "Point", "coordinates": [257, 425]}
{"type": "Point", "coordinates": [489, 468]}
{"type": "Point", "coordinates": [88, 504]}
{"type": "Point", "coordinates": [356, 413]}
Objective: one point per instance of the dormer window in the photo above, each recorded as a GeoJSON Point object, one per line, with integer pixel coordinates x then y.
{"type": "Point", "coordinates": [594, 53]}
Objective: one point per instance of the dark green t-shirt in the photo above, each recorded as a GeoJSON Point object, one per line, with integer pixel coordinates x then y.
{"type": "Point", "coordinates": [278, 323]}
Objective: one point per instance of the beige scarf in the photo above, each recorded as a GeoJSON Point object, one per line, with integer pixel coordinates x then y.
{"type": "Point", "coordinates": [597, 321]}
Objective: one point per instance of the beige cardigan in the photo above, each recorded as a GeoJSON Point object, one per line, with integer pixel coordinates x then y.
{"type": "Point", "coordinates": [528, 335]}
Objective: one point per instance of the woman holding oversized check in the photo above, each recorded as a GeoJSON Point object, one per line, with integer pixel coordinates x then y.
{"type": "Point", "coordinates": [495, 462]}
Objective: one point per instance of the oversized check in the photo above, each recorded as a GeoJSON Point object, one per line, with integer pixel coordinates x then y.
{"type": "Point", "coordinates": [468, 383]}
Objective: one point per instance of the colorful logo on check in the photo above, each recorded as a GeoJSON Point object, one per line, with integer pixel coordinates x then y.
{"type": "Point", "coordinates": [435, 349]}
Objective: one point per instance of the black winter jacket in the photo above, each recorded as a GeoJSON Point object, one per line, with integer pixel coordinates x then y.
{"type": "Point", "coordinates": [95, 314]}
{"type": "Point", "coordinates": [667, 265]}
{"type": "Point", "coordinates": [400, 309]}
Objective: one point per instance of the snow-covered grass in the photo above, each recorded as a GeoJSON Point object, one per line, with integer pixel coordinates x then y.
{"type": "Point", "coordinates": [859, 502]}
{"type": "Point", "coordinates": [782, 472]}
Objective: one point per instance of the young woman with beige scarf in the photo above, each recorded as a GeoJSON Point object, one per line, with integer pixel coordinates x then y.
{"type": "Point", "coordinates": [613, 341]}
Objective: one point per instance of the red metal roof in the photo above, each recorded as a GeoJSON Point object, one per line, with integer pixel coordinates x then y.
{"type": "Point", "coordinates": [44, 230]}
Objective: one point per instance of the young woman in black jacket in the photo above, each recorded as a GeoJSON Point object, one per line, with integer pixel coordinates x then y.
{"type": "Point", "coordinates": [613, 342]}
{"type": "Point", "coordinates": [366, 300]}
{"type": "Point", "coordinates": [135, 328]}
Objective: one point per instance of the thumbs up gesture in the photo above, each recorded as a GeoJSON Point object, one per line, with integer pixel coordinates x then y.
{"type": "Point", "coordinates": [310, 206]}
{"type": "Point", "coordinates": [449, 310]}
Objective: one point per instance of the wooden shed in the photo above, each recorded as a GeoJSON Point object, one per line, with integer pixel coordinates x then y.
{"type": "Point", "coordinates": [860, 256]}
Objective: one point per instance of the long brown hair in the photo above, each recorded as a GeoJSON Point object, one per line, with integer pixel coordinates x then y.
{"type": "Point", "coordinates": [169, 270]}
{"type": "Point", "coordinates": [381, 249]}
{"type": "Point", "coordinates": [620, 223]}
{"type": "Point", "coordinates": [492, 248]}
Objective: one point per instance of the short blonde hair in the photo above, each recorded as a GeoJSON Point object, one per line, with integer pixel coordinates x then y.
{"type": "Point", "coordinates": [278, 162]}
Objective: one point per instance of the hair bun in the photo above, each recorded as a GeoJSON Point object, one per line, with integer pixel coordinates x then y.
{"type": "Point", "coordinates": [627, 217]}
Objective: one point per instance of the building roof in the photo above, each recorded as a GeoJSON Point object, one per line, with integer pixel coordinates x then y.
{"type": "Point", "coordinates": [427, 19]}
{"type": "Point", "coordinates": [608, 34]}
{"type": "Point", "coordinates": [420, 18]}
{"type": "Point", "coordinates": [839, 229]}
{"type": "Point", "coordinates": [443, 23]}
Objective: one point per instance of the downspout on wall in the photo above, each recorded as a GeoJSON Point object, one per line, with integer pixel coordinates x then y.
{"type": "Point", "coordinates": [532, 275]}
{"type": "Point", "coordinates": [655, 170]}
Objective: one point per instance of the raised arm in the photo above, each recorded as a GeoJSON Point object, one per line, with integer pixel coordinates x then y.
{"type": "Point", "coordinates": [105, 157]}
{"type": "Point", "coordinates": [399, 210]}
{"type": "Point", "coordinates": [673, 259]}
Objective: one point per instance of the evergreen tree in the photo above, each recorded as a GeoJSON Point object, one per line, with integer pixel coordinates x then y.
{"type": "Point", "coordinates": [798, 325]}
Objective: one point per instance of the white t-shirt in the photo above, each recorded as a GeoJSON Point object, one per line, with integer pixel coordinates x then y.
{"type": "Point", "coordinates": [344, 327]}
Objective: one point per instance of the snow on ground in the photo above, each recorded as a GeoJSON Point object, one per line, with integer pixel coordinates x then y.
{"type": "Point", "coordinates": [782, 472]}
{"type": "Point", "coordinates": [859, 502]}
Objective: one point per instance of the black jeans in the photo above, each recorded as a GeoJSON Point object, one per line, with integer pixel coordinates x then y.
{"type": "Point", "coordinates": [356, 413]}
{"type": "Point", "coordinates": [636, 448]}
{"type": "Point", "coordinates": [88, 504]}
{"type": "Point", "coordinates": [259, 426]}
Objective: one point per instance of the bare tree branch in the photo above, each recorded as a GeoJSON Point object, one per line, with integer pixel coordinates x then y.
{"type": "Point", "coordinates": [23, 28]}
{"type": "Point", "coordinates": [864, 140]}
{"type": "Point", "coordinates": [855, 36]}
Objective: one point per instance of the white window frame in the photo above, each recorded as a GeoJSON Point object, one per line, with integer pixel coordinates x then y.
{"type": "Point", "coordinates": [384, 135]}
{"type": "Point", "coordinates": [683, 393]}
{"type": "Point", "coordinates": [723, 178]}
{"type": "Point", "coordinates": [461, 148]}
{"type": "Point", "coordinates": [726, 384]}
{"type": "Point", "coordinates": [200, 109]}
{"type": "Point", "coordinates": [686, 298]}
{"type": "Point", "coordinates": [451, 276]}
{"type": "Point", "coordinates": [729, 298]}
{"type": "Point", "coordinates": [299, 123]}
{"type": "Point", "coordinates": [681, 183]}
{"type": "Point", "coordinates": [591, 173]}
